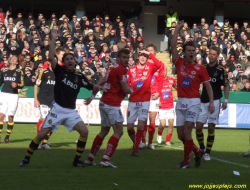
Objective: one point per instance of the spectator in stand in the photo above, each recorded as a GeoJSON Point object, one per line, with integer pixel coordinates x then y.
{"type": "Point", "coordinates": [111, 39]}
{"type": "Point", "coordinates": [231, 83]}
{"type": "Point", "coordinates": [27, 61]}
{"type": "Point", "coordinates": [225, 27]}
{"type": "Point", "coordinates": [5, 62]}
{"type": "Point", "coordinates": [201, 25]}
{"type": "Point", "coordinates": [244, 27]}
{"type": "Point", "coordinates": [29, 78]}
{"type": "Point", "coordinates": [234, 88]}
{"type": "Point", "coordinates": [212, 26]}
{"type": "Point", "coordinates": [122, 43]}
{"type": "Point", "coordinates": [228, 50]}
{"type": "Point", "coordinates": [244, 62]}
{"type": "Point", "coordinates": [114, 52]}
{"type": "Point", "coordinates": [246, 87]}
{"type": "Point", "coordinates": [105, 50]}
{"type": "Point", "coordinates": [99, 74]}
{"type": "Point", "coordinates": [100, 43]}
{"type": "Point", "coordinates": [242, 82]}
{"type": "Point", "coordinates": [237, 70]}
{"type": "Point", "coordinates": [106, 61]}
{"type": "Point", "coordinates": [247, 72]}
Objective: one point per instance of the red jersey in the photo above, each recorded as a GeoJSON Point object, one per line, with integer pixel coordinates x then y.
{"type": "Point", "coordinates": [157, 79]}
{"type": "Point", "coordinates": [140, 80]}
{"type": "Point", "coordinates": [46, 65]}
{"type": "Point", "coordinates": [190, 76]}
{"type": "Point", "coordinates": [114, 95]}
{"type": "Point", "coordinates": [166, 95]}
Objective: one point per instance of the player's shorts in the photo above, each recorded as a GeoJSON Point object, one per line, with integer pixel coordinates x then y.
{"type": "Point", "coordinates": [187, 109]}
{"type": "Point", "coordinates": [205, 115]}
{"type": "Point", "coordinates": [154, 105]}
{"type": "Point", "coordinates": [8, 103]}
{"type": "Point", "coordinates": [110, 114]}
{"type": "Point", "coordinates": [137, 109]}
{"type": "Point", "coordinates": [59, 115]}
{"type": "Point", "coordinates": [167, 114]}
{"type": "Point", "coordinates": [44, 110]}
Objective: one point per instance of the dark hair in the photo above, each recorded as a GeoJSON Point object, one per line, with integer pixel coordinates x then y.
{"type": "Point", "coordinates": [152, 45]}
{"type": "Point", "coordinates": [122, 51]}
{"type": "Point", "coordinates": [65, 54]}
{"type": "Point", "coordinates": [217, 49]}
{"type": "Point", "coordinates": [190, 43]}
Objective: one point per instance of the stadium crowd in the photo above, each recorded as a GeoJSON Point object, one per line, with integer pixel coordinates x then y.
{"type": "Point", "coordinates": [234, 43]}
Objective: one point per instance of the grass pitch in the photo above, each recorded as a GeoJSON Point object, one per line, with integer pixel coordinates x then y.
{"type": "Point", "coordinates": [152, 170]}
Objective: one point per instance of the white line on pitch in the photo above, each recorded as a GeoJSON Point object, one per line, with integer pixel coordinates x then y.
{"type": "Point", "coordinates": [221, 160]}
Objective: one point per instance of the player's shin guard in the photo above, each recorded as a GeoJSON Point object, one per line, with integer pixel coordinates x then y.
{"type": "Point", "coordinates": [131, 134]}
{"type": "Point", "coordinates": [80, 147]}
{"type": "Point", "coordinates": [188, 146]}
{"type": "Point", "coordinates": [32, 147]}
{"type": "Point", "coordinates": [137, 140]}
{"type": "Point", "coordinates": [200, 139]}
{"type": "Point", "coordinates": [210, 142]}
{"type": "Point", "coordinates": [9, 130]}
{"type": "Point", "coordinates": [38, 125]}
{"type": "Point", "coordinates": [143, 140]}
{"type": "Point", "coordinates": [112, 144]}
{"type": "Point", "coordinates": [151, 132]}
{"type": "Point", "coordinates": [168, 137]}
{"type": "Point", "coordinates": [95, 147]}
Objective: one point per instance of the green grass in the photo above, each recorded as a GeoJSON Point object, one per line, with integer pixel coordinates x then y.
{"type": "Point", "coordinates": [153, 170]}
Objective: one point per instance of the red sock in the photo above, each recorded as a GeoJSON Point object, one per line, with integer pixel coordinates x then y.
{"type": "Point", "coordinates": [50, 133]}
{"type": "Point", "coordinates": [137, 140]}
{"type": "Point", "coordinates": [168, 138]}
{"type": "Point", "coordinates": [112, 144]}
{"type": "Point", "coordinates": [143, 139]}
{"type": "Point", "coordinates": [38, 125]}
{"type": "Point", "coordinates": [95, 147]}
{"type": "Point", "coordinates": [188, 147]}
{"type": "Point", "coordinates": [159, 132]}
{"type": "Point", "coordinates": [151, 132]}
{"type": "Point", "coordinates": [131, 134]}
{"type": "Point", "coordinates": [196, 150]}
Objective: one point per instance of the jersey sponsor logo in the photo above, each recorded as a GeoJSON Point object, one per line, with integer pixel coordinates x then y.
{"type": "Point", "coordinates": [124, 78]}
{"type": "Point", "coordinates": [193, 72]}
{"type": "Point", "coordinates": [9, 79]}
{"type": "Point", "coordinates": [139, 84]}
{"type": "Point", "coordinates": [186, 82]}
{"type": "Point", "coordinates": [144, 111]}
{"type": "Point", "coordinates": [153, 79]}
{"type": "Point", "coordinates": [166, 95]}
{"type": "Point", "coordinates": [213, 80]}
{"type": "Point", "coordinates": [52, 82]}
{"type": "Point", "coordinates": [197, 68]}
{"type": "Point", "coordinates": [171, 81]}
{"type": "Point", "coordinates": [133, 75]}
{"type": "Point", "coordinates": [53, 115]}
{"type": "Point", "coordinates": [132, 70]}
{"type": "Point", "coordinates": [83, 82]}
{"type": "Point", "coordinates": [138, 104]}
{"type": "Point", "coordinates": [79, 74]}
{"type": "Point", "coordinates": [183, 67]}
{"type": "Point", "coordinates": [106, 85]}
{"type": "Point", "coordinates": [70, 84]}
{"type": "Point", "coordinates": [38, 82]}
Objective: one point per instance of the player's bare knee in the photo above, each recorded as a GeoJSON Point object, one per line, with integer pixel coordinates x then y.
{"type": "Point", "coordinates": [10, 118]}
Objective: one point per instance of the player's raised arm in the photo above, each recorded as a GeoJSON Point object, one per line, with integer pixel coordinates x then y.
{"type": "Point", "coordinates": [52, 47]}
{"type": "Point", "coordinates": [174, 41]}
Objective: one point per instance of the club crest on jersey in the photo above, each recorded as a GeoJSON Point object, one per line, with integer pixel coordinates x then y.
{"type": "Point", "coordinates": [215, 74]}
{"type": "Point", "coordinates": [139, 84]}
{"type": "Point", "coordinates": [186, 82]}
{"type": "Point", "coordinates": [49, 77]}
{"type": "Point", "coordinates": [193, 72]}
{"type": "Point", "coordinates": [166, 95]}
{"type": "Point", "coordinates": [145, 73]}
{"type": "Point", "coordinates": [14, 74]}
{"type": "Point", "coordinates": [76, 79]}
{"type": "Point", "coordinates": [183, 67]}
{"type": "Point", "coordinates": [197, 68]}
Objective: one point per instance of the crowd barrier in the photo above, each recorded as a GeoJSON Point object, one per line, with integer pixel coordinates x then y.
{"type": "Point", "coordinates": [237, 115]}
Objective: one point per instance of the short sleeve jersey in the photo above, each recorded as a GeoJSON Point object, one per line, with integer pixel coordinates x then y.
{"type": "Point", "coordinates": [68, 85]}
{"type": "Point", "coordinates": [219, 78]}
{"type": "Point", "coordinates": [9, 76]}
{"type": "Point", "coordinates": [166, 95]}
{"type": "Point", "coordinates": [114, 95]}
{"type": "Point", "coordinates": [157, 80]}
{"type": "Point", "coordinates": [46, 82]}
{"type": "Point", "coordinates": [190, 76]}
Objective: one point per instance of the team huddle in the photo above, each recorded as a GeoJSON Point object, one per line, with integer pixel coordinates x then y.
{"type": "Point", "coordinates": [150, 93]}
